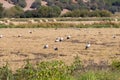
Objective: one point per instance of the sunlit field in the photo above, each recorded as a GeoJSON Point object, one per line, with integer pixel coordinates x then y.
{"type": "Point", "coordinates": [26, 42]}
{"type": "Point", "coordinates": [15, 49]}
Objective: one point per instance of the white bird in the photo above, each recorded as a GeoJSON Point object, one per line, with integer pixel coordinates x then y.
{"type": "Point", "coordinates": [57, 39]}
{"type": "Point", "coordinates": [114, 36]}
{"type": "Point", "coordinates": [1, 36]}
{"type": "Point", "coordinates": [30, 32]}
{"type": "Point", "coordinates": [55, 48]}
{"type": "Point", "coordinates": [46, 46]}
{"type": "Point", "coordinates": [19, 35]}
{"type": "Point", "coordinates": [87, 45]}
{"type": "Point", "coordinates": [61, 39]}
{"type": "Point", "coordinates": [68, 37]}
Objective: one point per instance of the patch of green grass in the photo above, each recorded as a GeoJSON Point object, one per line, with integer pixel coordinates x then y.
{"type": "Point", "coordinates": [99, 75]}
{"type": "Point", "coordinates": [57, 70]}
{"type": "Point", "coordinates": [62, 25]}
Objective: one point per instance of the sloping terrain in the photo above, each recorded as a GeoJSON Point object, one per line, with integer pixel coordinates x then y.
{"type": "Point", "coordinates": [64, 11]}
{"type": "Point", "coordinates": [29, 3]}
{"type": "Point", "coordinates": [6, 4]}
{"type": "Point", "coordinates": [43, 3]}
{"type": "Point", "coordinates": [91, 4]}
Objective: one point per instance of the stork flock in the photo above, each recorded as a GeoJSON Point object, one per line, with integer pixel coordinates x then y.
{"type": "Point", "coordinates": [60, 39]}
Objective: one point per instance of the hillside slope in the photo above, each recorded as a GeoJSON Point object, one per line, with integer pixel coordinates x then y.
{"type": "Point", "coordinates": [29, 3]}
{"type": "Point", "coordinates": [70, 5]}
{"type": "Point", "coordinates": [6, 4]}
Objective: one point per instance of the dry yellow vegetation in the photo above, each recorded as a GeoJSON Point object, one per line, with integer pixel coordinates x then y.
{"type": "Point", "coordinates": [18, 44]}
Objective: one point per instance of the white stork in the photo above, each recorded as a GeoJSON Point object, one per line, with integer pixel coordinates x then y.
{"type": "Point", "coordinates": [87, 45]}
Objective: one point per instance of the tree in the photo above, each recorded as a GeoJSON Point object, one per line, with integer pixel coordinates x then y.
{"type": "Point", "coordinates": [47, 11]}
{"type": "Point", "coordinates": [55, 11]}
{"type": "Point", "coordinates": [44, 11]}
{"type": "Point", "coordinates": [1, 10]}
{"type": "Point", "coordinates": [15, 11]}
{"type": "Point", "coordinates": [36, 4]}
{"type": "Point", "coordinates": [29, 14]}
{"type": "Point", "coordinates": [105, 13]}
{"type": "Point", "coordinates": [22, 3]}
{"type": "Point", "coordinates": [15, 1]}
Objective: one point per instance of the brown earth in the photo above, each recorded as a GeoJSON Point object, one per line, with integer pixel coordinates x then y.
{"type": "Point", "coordinates": [15, 50]}
{"type": "Point", "coordinates": [6, 4]}
{"type": "Point", "coordinates": [29, 3]}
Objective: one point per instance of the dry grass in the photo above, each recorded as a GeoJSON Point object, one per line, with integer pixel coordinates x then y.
{"type": "Point", "coordinates": [15, 49]}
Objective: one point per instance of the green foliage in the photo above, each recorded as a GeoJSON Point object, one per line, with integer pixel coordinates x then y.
{"type": "Point", "coordinates": [88, 76]}
{"type": "Point", "coordinates": [44, 11]}
{"type": "Point", "coordinates": [116, 64]}
{"type": "Point", "coordinates": [52, 11]}
{"type": "Point", "coordinates": [98, 75]}
{"type": "Point", "coordinates": [96, 8]}
{"type": "Point", "coordinates": [77, 63]}
{"type": "Point", "coordinates": [36, 4]}
{"type": "Point", "coordinates": [26, 73]}
{"type": "Point", "coordinates": [57, 70]}
{"type": "Point", "coordinates": [6, 73]}
{"type": "Point", "coordinates": [86, 13]}
{"type": "Point", "coordinates": [22, 3]}
{"type": "Point", "coordinates": [15, 11]}
{"type": "Point", "coordinates": [56, 11]}
{"type": "Point", "coordinates": [29, 14]}
{"type": "Point", "coordinates": [54, 70]}
{"type": "Point", "coordinates": [1, 10]}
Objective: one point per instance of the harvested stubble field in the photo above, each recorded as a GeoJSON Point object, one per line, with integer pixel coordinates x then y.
{"type": "Point", "coordinates": [15, 50]}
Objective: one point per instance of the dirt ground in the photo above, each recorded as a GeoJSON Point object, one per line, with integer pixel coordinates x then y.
{"type": "Point", "coordinates": [15, 50]}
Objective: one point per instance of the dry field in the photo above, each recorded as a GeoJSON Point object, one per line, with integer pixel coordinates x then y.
{"type": "Point", "coordinates": [15, 50]}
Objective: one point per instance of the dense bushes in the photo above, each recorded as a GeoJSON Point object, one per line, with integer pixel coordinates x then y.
{"type": "Point", "coordinates": [54, 10]}
{"type": "Point", "coordinates": [93, 7]}
{"type": "Point", "coordinates": [36, 4]}
{"type": "Point", "coordinates": [1, 10]}
{"type": "Point", "coordinates": [15, 11]}
{"type": "Point", "coordinates": [21, 3]}
{"type": "Point", "coordinates": [58, 70]}
{"type": "Point", "coordinates": [42, 11]}
{"type": "Point", "coordinates": [86, 13]}
{"type": "Point", "coordinates": [116, 65]}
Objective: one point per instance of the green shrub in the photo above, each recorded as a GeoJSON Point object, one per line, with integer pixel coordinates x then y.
{"type": "Point", "coordinates": [116, 64]}
{"type": "Point", "coordinates": [54, 70]}
{"type": "Point", "coordinates": [6, 73]}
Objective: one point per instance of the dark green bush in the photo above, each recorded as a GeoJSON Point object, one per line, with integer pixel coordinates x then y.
{"type": "Point", "coordinates": [6, 73]}
{"type": "Point", "coordinates": [116, 64]}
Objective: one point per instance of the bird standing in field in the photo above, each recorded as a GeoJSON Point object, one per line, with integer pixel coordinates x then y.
{"type": "Point", "coordinates": [55, 48]}
{"type": "Point", "coordinates": [45, 46]}
{"type": "Point", "coordinates": [30, 32]}
{"type": "Point", "coordinates": [114, 36]}
{"type": "Point", "coordinates": [61, 39]}
{"type": "Point", "coordinates": [1, 36]}
{"type": "Point", "coordinates": [68, 37]}
{"type": "Point", "coordinates": [87, 45]}
{"type": "Point", "coordinates": [57, 39]}
{"type": "Point", "coordinates": [19, 35]}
